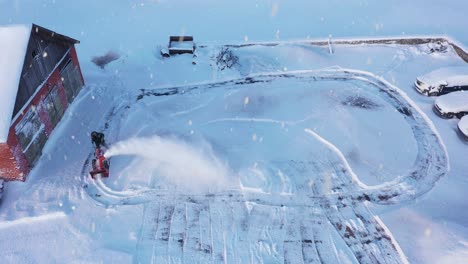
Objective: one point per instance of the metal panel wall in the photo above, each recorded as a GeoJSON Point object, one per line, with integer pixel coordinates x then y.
{"type": "Point", "coordinates": [41, 58]}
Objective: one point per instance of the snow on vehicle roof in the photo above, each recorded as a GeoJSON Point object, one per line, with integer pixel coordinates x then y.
{"type": "Point", "coordinates": [453, 75]}
{"type": "Point", "coordinates": [463, 125]}
{"type": "Point", "coordinates": [13, 44]}
{"type": "Point", "coordinates": [458, 80]}
{"type": "Point", "coordinates": [453, 102]}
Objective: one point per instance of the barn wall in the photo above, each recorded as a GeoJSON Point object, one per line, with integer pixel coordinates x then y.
{"type": "Point", "coordinates": [74, 57]}
{"type": "Point", "coordinates": [42, 106]}
{"type": "Point", "coordinates": [38, 104]}
{"type": "Point", "coordinates": [19, 158]}
{"type": "Point", "coordinates": [8, 166]}
{"type": "Point", "coordinates": [43, 97]}
{"type": "Point", "coordinates": [62, 94]}
{"type": "Point", "coordinates": [72, 78]}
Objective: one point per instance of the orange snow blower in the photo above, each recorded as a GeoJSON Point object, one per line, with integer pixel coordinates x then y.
{"type": "Point", "coordinates": [100, 164]}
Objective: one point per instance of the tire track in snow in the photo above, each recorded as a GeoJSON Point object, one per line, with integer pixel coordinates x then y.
{"type": "Point", "coordinates": [354, 222]}
{"type": "Point", "coordinates": [432, 160]}
{"type": "Point", "coordinates": [310, 253]}
{"type": "Point", "coordinates": [324, 245]}
{"type": "Point", "coordinates": [199, 246]}
{"type": "Point", "coordinates": [148, 229]}
{"type": "Point", "coordinates": [218, 226]}
{"type": "Point", "coordinates": [177, 237]}
{"type": "Point", "coordinates": [292, 242]}
{"type": "Point", "coordinates": [161, 241]}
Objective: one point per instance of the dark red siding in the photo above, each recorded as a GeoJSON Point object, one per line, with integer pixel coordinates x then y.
{"type": "Point", "coordinates": [12, 157]}
{"type": "Point", "coordinates": [9, 168]}
{"type": "Point", "coordinates": [41, 99]}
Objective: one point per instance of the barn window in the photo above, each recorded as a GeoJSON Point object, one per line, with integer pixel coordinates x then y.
{"type": "Point", "coordinates": [54, 106]}
{"type": "Point", "coordinates": [31, 136]}
{"type": "Point", "coordinates": [27, 127]}
{"type": "Point", "coordinates": [71, 80]}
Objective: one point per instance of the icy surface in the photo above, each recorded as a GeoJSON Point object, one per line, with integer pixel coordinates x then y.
{"type": "Point", "coordinates": [454, 102]}
{"type": "Point", "coordinates": [13, 44]}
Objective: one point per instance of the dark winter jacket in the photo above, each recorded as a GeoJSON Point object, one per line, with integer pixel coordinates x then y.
{"type": "Point", "coordinates": [98, 139]}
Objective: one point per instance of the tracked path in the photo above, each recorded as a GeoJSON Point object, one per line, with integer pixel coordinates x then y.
{"type": "Point", "coordinates": [300, 227]}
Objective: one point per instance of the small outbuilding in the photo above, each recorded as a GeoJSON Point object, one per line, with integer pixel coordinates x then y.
{"type": "Point", "coordinates": [179, 45]}
{"type": "Point", "coordinates": [39, 77]}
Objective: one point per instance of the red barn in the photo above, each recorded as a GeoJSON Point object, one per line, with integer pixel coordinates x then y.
{"type": "Point", "coordinates": [39, 77]}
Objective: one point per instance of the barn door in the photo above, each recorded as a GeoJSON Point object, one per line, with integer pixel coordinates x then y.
{"type": "Point", "coordinates": [54, 106]}
{"type": "Point", "coordinates": [71, 80]}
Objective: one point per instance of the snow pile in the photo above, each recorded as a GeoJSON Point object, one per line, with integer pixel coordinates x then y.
{"type": "Point", "coordinates": [189, 167]}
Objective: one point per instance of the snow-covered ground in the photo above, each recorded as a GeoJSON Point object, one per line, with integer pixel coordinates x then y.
{"type": "Point", "coordinates": [293, 155]}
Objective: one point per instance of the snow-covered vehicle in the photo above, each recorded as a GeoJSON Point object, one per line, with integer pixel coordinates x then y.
{"type": "Point", "coordinates": [463, 127]}
{"type": "Point", "coordinates": [442, 81]}
{"type": "Point", "coordinates": [452, 104]}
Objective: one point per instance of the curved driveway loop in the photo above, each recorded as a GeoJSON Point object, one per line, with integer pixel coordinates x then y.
{"type": "Point", "coordinates": [308, 227]}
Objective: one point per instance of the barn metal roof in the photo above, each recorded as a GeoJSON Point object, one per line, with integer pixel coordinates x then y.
{"type": "Point", "coordinates": [13, 45]}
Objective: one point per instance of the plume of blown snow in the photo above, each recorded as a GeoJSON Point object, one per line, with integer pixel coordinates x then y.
{"type": "Point", "coordinates": [184, 165]}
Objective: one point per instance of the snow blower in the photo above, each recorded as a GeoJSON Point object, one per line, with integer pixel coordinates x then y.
{"type": "Point", "coordinates": [100, 164]}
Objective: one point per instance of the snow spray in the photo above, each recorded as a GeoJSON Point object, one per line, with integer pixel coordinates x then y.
{"type": "Point", "coordinates": [182, 164]}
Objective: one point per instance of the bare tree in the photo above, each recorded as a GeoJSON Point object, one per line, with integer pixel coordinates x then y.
{"type": "Point", "coordinates": [226, 59]}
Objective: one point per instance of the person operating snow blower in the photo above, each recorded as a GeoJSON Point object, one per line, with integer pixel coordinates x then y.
{"type": "Point", "coordinates": [98, 139]}
{"type": "Point", "coordinates": [100, 164]}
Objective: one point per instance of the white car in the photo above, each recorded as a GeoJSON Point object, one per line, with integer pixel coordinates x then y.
{"type": "Point", "coordinates": [452, 104]}
{"type": "Point", "coordinates": [463, 127]}
{"type": "Point", "coordinates": [443, 81]}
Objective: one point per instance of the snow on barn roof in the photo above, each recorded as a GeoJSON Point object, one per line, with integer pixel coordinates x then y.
{"type": "Point", "coordinates": [13, 45]}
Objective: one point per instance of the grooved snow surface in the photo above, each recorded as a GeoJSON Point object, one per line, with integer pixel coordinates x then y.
{"type": "Point", "coordinates": [13, 44]}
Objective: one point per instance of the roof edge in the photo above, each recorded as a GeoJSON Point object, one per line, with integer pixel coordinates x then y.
{"type": "Point", "coordinates": [38, 28]}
